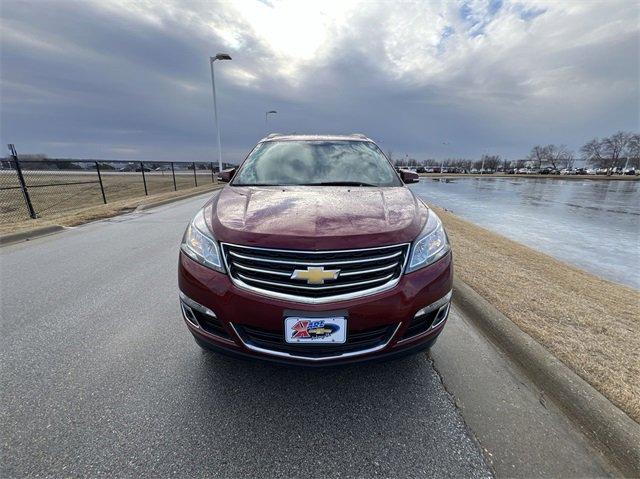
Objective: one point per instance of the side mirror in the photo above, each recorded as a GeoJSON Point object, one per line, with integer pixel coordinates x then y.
{"type": "Point", "coordinates": [409, 176]}
{"type": "Point", "coordinates": [226, 175]}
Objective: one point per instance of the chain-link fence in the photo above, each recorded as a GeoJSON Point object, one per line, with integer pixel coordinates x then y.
{"type": "Point", "coordinates": [38, 188]}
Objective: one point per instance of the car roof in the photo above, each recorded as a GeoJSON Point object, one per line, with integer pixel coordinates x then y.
{"type": "Point", "coordinates": [297, 137]}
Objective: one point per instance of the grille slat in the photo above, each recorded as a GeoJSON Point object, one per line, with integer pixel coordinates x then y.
{"type": "Point", "coordinates": [313, 263]}
{"type": "Point", "coordinates": [263, 271]}
{"type": "Point", "coordinates": [360, 271]}
{"type": "Point", "coordinates": [315, 288]}
{"type": "Point", "coordinates": [368, 271]}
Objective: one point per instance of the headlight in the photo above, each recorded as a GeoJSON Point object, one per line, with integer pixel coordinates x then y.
{"type": "Point", "coordinates": [199, 244]}
{"type": "Point", "coordinates": [430, 246]}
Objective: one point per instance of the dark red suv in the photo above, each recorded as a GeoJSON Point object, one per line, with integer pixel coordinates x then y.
{"type": "Point", "coordinates": [315, 253]}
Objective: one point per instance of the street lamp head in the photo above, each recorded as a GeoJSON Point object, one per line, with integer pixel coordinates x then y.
{"type": "Point", "coordinates": [221, 56]}
{"type": "Point", "coordinates": [272, 111]}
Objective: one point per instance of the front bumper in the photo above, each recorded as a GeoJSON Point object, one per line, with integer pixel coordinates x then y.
{"type": "Point", "coordinates": [226, 318]}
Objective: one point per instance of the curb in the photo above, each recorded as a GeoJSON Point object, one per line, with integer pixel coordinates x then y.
{"type": "Point", "coordinates": [614, 433]}
{"type": "Point", "coordinates": [166, 201]}
{"type": "Point", "coordinates": [29, 234]}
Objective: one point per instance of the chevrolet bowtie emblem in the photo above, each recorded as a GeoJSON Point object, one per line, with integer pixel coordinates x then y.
{"type": "Point", "coordinates": [315, 275]}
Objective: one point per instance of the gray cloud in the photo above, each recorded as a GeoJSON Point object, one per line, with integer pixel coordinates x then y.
{"type": "Point", "coordinates": [131, 80]}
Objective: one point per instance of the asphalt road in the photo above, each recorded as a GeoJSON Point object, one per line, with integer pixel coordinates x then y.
{"type": "Point", "coordinates": [99, 377]}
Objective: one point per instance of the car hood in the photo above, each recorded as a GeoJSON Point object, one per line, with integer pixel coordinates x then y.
{"type": "Point", "coordinates": [317, 217]}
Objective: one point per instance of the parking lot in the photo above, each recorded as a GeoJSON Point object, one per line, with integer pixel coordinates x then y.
{"type": "Point", "coordinates": [100, 377]}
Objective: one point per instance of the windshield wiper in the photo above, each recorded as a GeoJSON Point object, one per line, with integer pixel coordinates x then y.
{"type": "Point", "coordinates": [338, 183]}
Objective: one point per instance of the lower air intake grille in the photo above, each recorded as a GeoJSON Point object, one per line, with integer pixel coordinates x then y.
{"type": "Point", "coordinates": [356, 341]}
{"type": "Point", "coordinates": [420, 324]}
{"type": "Point", "coordinates": [210, 325]}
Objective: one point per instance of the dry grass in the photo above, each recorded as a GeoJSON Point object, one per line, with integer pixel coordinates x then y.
{"type": "Point", "coordinates": [50, 201]}
{"type": "Point", "coordinates": [91, 213]}
{"type": "Point", "coordinates": [590, 324]}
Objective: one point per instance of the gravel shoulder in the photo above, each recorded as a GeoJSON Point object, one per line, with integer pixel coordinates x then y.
{"type": "Point", "coordinates": [590, 324]}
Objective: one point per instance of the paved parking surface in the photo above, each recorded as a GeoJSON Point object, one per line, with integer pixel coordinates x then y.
{"type": "Point", "coordinates": [100, 377]}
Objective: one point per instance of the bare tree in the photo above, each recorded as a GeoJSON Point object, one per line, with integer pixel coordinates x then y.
{"type": "Point", "coordinates": [538, 154]}
{"type": "Point", "coordinates": [592, 152]}
{"type": "Point", "coordinates": [558, 156]}
{"type": "Point", "coordinates": [390, 156]}
{"type": "Point", "coordinates": [491, 162]}
{"type": "Point", "coordinates": [632, 151]}
{"type": "Point", "coordinates": [466, 164]}
{"type": "Point", "coordinates": [607, 153]}
{"type": "Point", "coordinates": [568, 160]}
{"type": "Point", "coordinates": [613, 147]}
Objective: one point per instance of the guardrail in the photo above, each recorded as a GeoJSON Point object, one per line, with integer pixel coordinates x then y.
{"type": "Point", "coordinates": [37, 188]}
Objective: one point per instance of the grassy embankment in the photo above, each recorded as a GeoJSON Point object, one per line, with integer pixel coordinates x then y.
{"type": "Point", "coordinates": [590, 324]}
{"type": "Point", "coordinates": [69, 205]}
{"type": "Point", "coordinates": [90, 213]}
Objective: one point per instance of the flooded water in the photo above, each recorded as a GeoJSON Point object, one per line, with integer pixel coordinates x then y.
{"type": "Point", "coordinates": [592, 224]}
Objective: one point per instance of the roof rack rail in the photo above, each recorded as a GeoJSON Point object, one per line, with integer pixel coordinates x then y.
{"type": "Point", "coordinates": [359, 135]}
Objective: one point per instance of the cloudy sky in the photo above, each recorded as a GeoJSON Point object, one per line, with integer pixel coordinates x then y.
{"type": "Point", "coordinates": [128, 79]}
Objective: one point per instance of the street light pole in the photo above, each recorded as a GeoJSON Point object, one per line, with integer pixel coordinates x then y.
{"type": "Point", "coordinates": [219, 56]}
{"type": "Point", "coordinates": [266, 116]}
{"type": "Point", "coordinates": [445, 143]}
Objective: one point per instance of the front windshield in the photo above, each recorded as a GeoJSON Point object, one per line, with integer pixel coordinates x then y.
{"type": "Point", "coordinates": [349, 163]}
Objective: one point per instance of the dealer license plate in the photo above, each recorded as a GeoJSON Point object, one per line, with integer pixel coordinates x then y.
{"type": "Point", "coordinates": [315, 330]}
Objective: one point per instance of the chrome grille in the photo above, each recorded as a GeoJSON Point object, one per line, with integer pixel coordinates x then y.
{"type": "Point", "coordinates": [361, 271]}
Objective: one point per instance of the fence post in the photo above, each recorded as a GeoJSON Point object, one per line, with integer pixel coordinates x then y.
{"type": "Point", "coordinates": [211, 165]}
{"type": "Point", "coordinates": [144, 180]}
{"type": "Point", "coordinates": [173, 173]}
{"type": "Point", "coordinates": [23, 185]}
{"type": "Point", "coordinates": [104, 198]}
{"type": "Point", "coordinates": [195, 178]}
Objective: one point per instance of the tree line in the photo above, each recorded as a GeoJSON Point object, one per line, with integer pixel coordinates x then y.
{"type": "Point", "coordinates": [620, 150]}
